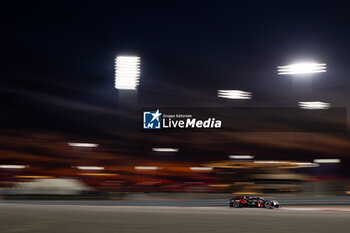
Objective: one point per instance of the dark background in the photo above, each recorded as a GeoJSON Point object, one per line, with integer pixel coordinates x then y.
{"type": "Point", "coordinates": [57, 74]}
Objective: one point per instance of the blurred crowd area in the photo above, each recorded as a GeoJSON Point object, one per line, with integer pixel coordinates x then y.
{"type": "Point", "coordinates": [203, 180]}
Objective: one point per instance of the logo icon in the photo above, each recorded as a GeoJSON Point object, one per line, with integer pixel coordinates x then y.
{"type": "Point", "coordinates": [151, 120]}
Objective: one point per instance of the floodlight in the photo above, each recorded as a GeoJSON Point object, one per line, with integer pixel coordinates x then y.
{"type": "Point", "coordinates": [234, 94]}
{"type": "Point", "coordinates": [302, 68]}
{"type": "Point", "coordinates": [127, 72]}
{"type": "Point", "coordinates": [314, 105]}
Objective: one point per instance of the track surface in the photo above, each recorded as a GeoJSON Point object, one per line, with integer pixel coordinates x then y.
{"type": "Point", "coordinates": [99, 219]}
{"type": "Point", "coordinates": [146, 200]}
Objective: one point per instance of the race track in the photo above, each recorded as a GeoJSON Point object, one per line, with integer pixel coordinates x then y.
{"type": "Point", "coordinates": [44, 218]}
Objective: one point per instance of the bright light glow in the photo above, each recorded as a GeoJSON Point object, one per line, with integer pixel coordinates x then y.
{"type": "Point", "coordinates": [314, 105]}
{"type": "Point", "coordinates": [297, 164]}
{"type": "Point", "coordinates": [327, 161]}
{"type": "Point", "coordinates": [80, 144]}
{"type": "Point", "coordinates": [97, 174]}
{"type": "Point", "coordinates": [269, 161]}
{"type": "Point", "coordinates": [127, 72]}
{"type": "Point", "coordinates": [241, 157]}
{"type": "Point", "coordinates": [303, 164]}
{"type": "Point", "coordinates": [89, 168]}
{"type": "Point", "coordinates": [36, 177]}
{"type": "Point", "coordinates": [146, 168]}
{"type": "Point", "coordinates": [307, 164]}
{"type": "Point", "coordinates": [165, 149]}
{"type": "Point", "coordinates": [201, 168]}
{"type": "Point", "coordinates": [234, 94]}
{"type": "Point", "coordinates": [13, 166]}
{"type": "Point", "coordinates": [302, 68]}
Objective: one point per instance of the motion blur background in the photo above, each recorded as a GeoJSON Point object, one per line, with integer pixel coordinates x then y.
{"type": "Point", "coordinates": [57, 90]}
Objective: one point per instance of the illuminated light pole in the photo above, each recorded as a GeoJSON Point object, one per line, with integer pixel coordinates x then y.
{"type": "Point", "coordinates": [234, 94]}
{"type": "Point", "coordinates": [238, 96]}
{"type": "Point", "coordinates": [314, 105]}
{"type": "Point", "coordinates": [127, 78]}
{"type": "Point", "coordinates": [302, 68]}
{"type": "Point", "coordinates": [127, 72]}
{"type": "Point", "coordinates": [302, 73]}
{"type": "Point", "coordinates": [302, 82]}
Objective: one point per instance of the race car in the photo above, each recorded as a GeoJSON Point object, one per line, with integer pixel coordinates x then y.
{"type": "Point", "coordinates": [257, 202]}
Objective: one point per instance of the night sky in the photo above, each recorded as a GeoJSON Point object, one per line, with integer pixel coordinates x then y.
{"type": "Point", "coordinates": [57, 75]}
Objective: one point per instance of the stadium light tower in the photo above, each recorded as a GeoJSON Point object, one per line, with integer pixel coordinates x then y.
{"type": "Point", "coordinates": [127, 72]}
{"type": "Point", "coordinates": [314, 105]}
{"type": "Point", "coordinates": [303, 85]}
{"type": "Point", "coordinates": [302, 68]}
{"type": "Point", "coordinates": [234, 94]}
